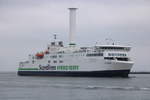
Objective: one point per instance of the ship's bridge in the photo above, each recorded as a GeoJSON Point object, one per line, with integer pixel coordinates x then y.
{"type": "Point", "coordinates": [115, 52]}
{"type": "Point", "coordinates": [113, 47]}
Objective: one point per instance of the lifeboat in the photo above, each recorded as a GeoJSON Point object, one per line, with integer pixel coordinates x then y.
{"type": "Point", "coordinates": [40, 55]}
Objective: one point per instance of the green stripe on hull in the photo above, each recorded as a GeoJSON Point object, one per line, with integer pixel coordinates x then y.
{"type": "Point", "coordinates": [28, 69]}
{"type": "Point", "coordinates": [62, 68]}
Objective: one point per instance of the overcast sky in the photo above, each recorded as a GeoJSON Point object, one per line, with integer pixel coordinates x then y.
{"type": "Point", "coordinates": [27, 26]}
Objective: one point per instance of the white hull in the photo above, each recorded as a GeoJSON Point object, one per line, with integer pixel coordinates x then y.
{"type": "Point", "coordinates": [93, 66]}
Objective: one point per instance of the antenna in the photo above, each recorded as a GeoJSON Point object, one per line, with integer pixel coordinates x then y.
{"type": "Point", "coordinates": [96, 43]}
{"type": "Point", "coordinates": [55, 36]}
{"type": "Point", "coordinates": [110, 41]}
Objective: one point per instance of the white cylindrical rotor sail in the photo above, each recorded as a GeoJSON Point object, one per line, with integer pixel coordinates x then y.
{"type": "Point", "coordinates": [72, 25]}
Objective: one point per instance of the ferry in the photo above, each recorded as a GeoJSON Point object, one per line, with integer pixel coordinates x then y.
{"type": "Point", "coordinates": [108, 60]}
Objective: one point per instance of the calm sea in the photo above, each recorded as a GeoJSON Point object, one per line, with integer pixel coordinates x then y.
{"type": "Point", "coordinates": [13, 87]}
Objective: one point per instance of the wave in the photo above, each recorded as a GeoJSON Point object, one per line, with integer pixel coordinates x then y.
{"type": "Point", "coordinates": [119, 88]}
{"type": "Point", "coordinates": [68, 86]}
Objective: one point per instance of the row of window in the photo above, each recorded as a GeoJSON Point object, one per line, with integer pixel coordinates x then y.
{"type": "Point", "coordinates": [55, 61]}
{"type": "Point", "coordinates": [95, 54]}
{"type": "Point", "coordinates": [120, 59]}
{"type": "Point", "coordinates": [118, 48]}
{"type": "Point", "coordinates": [60, 56]}
{"type": "Point", "coordinates": [55, 56]}
{"type": "Point", "coordinates": [117, 54]}
{"type": "Point", "coordinates": [109, 58]}
{"type": "Point", "coordinates": [123, 59]}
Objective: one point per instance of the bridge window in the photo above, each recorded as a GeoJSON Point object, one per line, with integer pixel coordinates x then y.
{"type": "Point", "coordinates": [49, 61]}
{"type": "Point", "coordinates": [55, 61]}
{"type": "Point", "coordinates": [33, 62]}
{"type": "Point", "coordinates": [53, 56]}
{"type": "Point", "coordinates": [60, 61]}
{"type": "Point", "coordinates": [60, 56]}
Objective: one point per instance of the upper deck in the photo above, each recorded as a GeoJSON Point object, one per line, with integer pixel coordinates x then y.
{"type": "Point", "coordinates": [113, 47]}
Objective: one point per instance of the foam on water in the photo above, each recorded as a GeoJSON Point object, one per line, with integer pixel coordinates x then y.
{"type": "Point", "coordinates": [100, 87]}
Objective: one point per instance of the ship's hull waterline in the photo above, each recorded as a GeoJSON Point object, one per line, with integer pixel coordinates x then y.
{"type": "Point", "coordinates": [106, 73]}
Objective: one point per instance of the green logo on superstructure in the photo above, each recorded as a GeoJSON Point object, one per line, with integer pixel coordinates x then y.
{"type": "Point", "coordinates": [71, 68]}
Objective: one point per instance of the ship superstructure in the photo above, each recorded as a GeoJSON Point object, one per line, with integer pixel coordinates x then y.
{"type": "Point", "coordinates": [59, 60]}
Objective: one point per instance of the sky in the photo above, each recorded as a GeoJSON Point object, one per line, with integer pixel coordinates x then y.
{"type": "Point", "coordinates": [27, 26]}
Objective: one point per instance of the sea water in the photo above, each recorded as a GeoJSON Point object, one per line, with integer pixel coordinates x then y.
{"type": "Point", "coordinates": [13, 87]}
